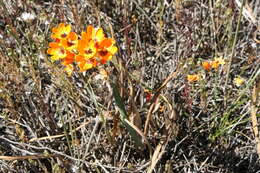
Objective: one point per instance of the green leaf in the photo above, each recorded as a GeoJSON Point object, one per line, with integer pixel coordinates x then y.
{"type": "Point", "coordinates": [123, 115]}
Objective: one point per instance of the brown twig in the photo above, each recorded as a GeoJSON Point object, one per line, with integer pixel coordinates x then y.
{"type": "Point", "coordinates": [27, 157]}
{"type": "Point", "coordinates": [61, 135]}
{"type": "Point", "coordinates": [254, 101]}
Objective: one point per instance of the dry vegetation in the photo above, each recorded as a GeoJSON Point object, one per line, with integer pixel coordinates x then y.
{"type": "Point", "coordinates": [144, 116]}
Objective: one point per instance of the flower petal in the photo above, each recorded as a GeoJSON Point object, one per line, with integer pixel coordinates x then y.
{"type": "Point", "coordinates": [106, 43]}
{"type": "Point", "coordinates": [54, 45]}
{"type": "Point", "coordinates": [113, 50]}
{"type": "Point", "coordinates": [79, 58]}
{"type": "Point", "coordinates": [99, 35]}
{"type": "Point", "coordinates": [89, 34]}
{"type": "Point", "coordinates": [193, 78]}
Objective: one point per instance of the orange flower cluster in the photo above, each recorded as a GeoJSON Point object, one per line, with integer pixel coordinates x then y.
{"type": "Point", "coordinates": [208, 65]}
{"type": "Point", "coordinates": [88, 51]}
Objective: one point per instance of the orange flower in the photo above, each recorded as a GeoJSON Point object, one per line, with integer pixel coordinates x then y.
{"type": "Point", "coordinates": [193, 78]}
{"type": "Point", "coordinates": [217, 62]}
{"type": "Point", "coordinates": [86, 64]}
{"type": "Point", "coordinates": [61, 31]}
{"type": "Point", "coordinates": [97, 35]}
{"type": "Point", "coordinates": [87, 49]}
{"type": "Point", "coordinates": [69, 59]}
{"type": "Point", "coordinates": [206, 65]}
{"type": "Point", "coordinates": [106, 50]}
{"type": "Point", "coordinates": [70, 42]}
{"type": "Point", "coordinates": [56, 51]}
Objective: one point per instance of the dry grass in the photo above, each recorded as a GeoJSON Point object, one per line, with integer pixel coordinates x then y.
{"type": "Point", "coordinates": [50, 122]}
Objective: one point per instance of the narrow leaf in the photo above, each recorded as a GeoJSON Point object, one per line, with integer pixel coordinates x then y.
{"type": "Point", "coordinates": [123, 116]}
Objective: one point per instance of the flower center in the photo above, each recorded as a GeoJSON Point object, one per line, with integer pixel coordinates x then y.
{"type": "Point", "coordinates": [88, 51]}
{"type": "Point", "coordinates": [70, 43]}
{"type": "Point", "coordinates": [103, 52]}
{"type": "Point", "coordinates": [63, 35]}
{"type": "Point", "coordinates": [62, 51]}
